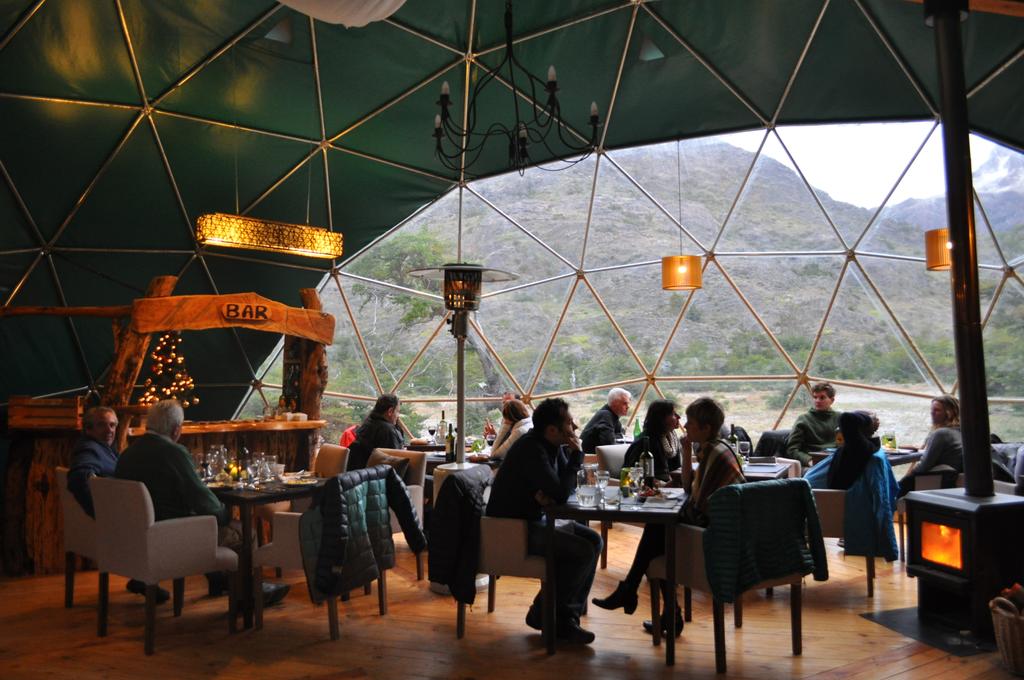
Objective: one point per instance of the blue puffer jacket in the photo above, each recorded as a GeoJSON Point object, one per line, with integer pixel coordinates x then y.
{"type": "Point", "coordinates": [868, 508]}
{"type": "Point", "coordinates": [762, 531]}
{"type": "Point", "coordinates": [346, 536]}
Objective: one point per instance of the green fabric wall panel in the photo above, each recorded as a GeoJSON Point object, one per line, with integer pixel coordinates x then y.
{"type": "Point", "coordinates": [53, 150]}
{"type": "Point", "coordinates": [70, 49]}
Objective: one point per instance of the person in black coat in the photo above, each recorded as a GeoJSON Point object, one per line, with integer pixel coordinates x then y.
{"type": "Point", "coordinates": [378, 431]}
{"type": "Point", "coordinates": [859, 445]}
{"type": "Point", "coordinates": [604, 427]}
{"type": "Point", "coordinates": [661, 429]}
{"type": "Point", "coordinates": [539, 470]}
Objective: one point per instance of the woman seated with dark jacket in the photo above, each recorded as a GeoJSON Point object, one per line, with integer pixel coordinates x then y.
{"type": "Point", "coordinates": [661, 427]}
{"type": "Point", "coordinates": [859, 445]}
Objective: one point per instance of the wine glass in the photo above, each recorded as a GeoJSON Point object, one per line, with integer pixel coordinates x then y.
{"type": "Point", "coordinates": [432, 430]}
{"type": "Point", "coordinates": [744, 451]}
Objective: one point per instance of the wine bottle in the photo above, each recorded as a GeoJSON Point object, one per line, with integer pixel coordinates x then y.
{"type": "Point", "coordinates": [733, 439]}
{"type": "Point", "coordinates": [647, 463]}
{"type": "Point", "coordinates": [449, 445]}
{"type": "Point", "coordinates": [442, 426]}
{"type": "Point", "coordinates": [636, 429]}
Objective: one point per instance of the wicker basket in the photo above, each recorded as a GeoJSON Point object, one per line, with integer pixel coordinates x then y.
{"type": "Point", "coordinates": [1009, 627]}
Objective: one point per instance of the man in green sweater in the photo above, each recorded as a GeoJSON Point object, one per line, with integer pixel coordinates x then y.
{"type": "Point", "coordinates": [816, 429]}
{"type": "Point", "coordinates": [157, 460]}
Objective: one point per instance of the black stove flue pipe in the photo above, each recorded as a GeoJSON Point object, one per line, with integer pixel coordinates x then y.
{"type": "Point", "coordinates": [945, 17]}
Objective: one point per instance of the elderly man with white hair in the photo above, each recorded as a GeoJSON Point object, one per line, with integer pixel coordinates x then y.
{"type": "Point", "coordinates": [604, 427]}
{"type": "Point", "coordinates": [157, 460]}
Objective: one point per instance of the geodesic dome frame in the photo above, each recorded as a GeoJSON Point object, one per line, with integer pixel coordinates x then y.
{"type": "Point", "coordinates": [128, 113]}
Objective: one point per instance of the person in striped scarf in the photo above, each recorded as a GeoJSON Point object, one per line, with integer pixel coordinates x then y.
{"type": "Point", "coordinates": [717, 467]}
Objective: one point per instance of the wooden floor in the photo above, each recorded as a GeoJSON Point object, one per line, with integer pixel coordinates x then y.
{"type": "Point", "coordinates": [416, 639]}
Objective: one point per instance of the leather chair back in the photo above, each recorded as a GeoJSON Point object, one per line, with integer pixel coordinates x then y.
{"type": "Point", "coordinates": [79, 528]}
{"type": "Point", "coordinates": [331, 461]}
{"type": "Point", "coordinates": [610, 458]}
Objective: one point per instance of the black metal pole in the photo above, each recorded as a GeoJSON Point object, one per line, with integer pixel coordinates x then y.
{"type": "Point", "coordinates": [945, 16]}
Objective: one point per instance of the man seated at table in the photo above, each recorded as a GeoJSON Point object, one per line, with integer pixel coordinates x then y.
{"type": "Point", "coordinates": [539, 470]}
{"type": "Point", "coordinates": [717, 466]}
{"type": "Point", "coordinates": [814, 430]}
{"type": "Point", "coordinates": [94, 454]}
{"type": "Point", "coordinates": [378, 431]}
{"type": "Point", "coordinates": [157, 460]}
{"type": "Point", "coordinates": [604, 427]}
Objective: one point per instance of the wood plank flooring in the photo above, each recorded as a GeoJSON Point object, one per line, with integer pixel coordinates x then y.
{"type": "Point", "coordinates": [416, 640]}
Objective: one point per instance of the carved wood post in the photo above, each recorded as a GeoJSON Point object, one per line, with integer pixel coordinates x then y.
{"type": "Point", "coordinates": [314, 364]}
{"type": "Point", "coordinates": [130, 351]}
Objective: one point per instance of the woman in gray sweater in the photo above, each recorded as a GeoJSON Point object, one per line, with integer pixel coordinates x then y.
{"type": "Point", "coordinates": [942, 447]}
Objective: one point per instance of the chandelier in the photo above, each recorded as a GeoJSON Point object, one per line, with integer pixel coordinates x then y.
{"type": "Point", "coordinates": [532, 123]}
{"type": "Point", "coordinates": [237, 231]}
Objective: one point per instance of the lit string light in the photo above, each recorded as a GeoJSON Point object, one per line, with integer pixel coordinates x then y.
{"type": "Point", "coordinates": [170, 379]}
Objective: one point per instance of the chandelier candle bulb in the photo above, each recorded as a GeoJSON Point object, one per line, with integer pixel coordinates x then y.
{"type": "Point", "coordinates": [445, 90]}
{"type": "Point", "coordinates": [552, 78]}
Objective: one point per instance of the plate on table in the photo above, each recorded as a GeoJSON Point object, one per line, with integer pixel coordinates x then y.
{"type": "Point", "coordinates": [299, 481]}
{"type": "Point", "coordinates": [761, 467]}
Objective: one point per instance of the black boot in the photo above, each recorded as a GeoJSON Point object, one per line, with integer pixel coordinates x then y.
{"type": "Point", "coordinates": [649, 625]}
{"type": "Point", "coordinates": [624, 596]}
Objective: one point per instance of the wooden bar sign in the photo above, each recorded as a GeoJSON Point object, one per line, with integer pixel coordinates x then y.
{"type": "Point", "coordinates": [247, 310]}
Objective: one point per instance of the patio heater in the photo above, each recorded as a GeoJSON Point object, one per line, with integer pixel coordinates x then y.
{"type": "Point", "coordinates": [462, 288]}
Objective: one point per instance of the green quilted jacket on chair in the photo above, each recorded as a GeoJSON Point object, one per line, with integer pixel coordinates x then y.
{"type": "Point", "coordinates": [762, 531]}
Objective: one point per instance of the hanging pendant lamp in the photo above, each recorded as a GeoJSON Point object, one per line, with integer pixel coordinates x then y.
{"type": "Point", "coordinates": [937, 250]}
{"type": "Point", "coordinates": [681, 272]}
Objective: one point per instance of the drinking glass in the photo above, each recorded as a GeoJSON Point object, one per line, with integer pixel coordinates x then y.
{"type": "Point", "coordinates": [889, 439]}
{"type": "Point", "coordinates": [586, 489]}
{"type": "Point", "coordinates": [636, 479]}
{"type": "Point", "coordinates": [610, 497]}
{"type": "Point", "coordinates": [744, 451]}
{"type": "Point", "coordinates": [431, 430]}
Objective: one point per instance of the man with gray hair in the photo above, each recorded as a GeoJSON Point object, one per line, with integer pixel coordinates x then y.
{"type": "Point", "coordinates": [157, 460]}
{"type": "Point", "coordinates": [604, 427]}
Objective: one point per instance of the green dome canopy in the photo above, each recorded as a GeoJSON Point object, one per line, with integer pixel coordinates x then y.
{"type": "Point", "coordinates": [124, 120]}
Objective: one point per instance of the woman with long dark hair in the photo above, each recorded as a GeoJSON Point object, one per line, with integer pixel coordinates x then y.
{"type": "Point", "coordinates": [717, 467]}
{"type": "Point", "coordinates": [661, 429]}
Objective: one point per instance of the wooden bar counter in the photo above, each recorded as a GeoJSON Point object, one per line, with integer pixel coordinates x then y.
{"type": "Point", "coordinates": [32, 522]}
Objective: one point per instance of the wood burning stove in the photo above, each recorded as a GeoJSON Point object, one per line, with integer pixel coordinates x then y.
{"type": "Point", "coordinates": [963, 549]}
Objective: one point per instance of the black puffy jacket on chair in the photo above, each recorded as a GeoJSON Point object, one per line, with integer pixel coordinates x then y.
{"type": "Point", "coordinates": [455, 532]}
{"type": "Point", "coordinates": [346, 537]}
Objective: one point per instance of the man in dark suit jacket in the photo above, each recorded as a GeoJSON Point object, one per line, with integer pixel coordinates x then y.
{"type": "Point", "coordinates": [540, 469]}
{"type": "Point", "coordinates": [94, 454]}
{"type": "Point", "coordinates": [604, 427]}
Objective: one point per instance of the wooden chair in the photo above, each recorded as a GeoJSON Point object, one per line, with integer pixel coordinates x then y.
{"type": "Point", "coordinates": [502, 553]}
{"type": "Point", "coordinates": [131, 543]}
{"type": "Point", "coordinates": [79, 535]}
{"type": "Point", "coordinates": [832, 513]}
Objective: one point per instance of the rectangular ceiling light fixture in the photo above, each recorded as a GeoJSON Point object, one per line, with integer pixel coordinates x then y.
{"type": "Point", "coordinates": [237, 231]}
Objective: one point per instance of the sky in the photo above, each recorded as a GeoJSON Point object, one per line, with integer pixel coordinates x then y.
{"type": "Point", "coordinates": [860, 163]}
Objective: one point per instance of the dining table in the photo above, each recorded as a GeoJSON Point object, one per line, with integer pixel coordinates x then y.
{"type": "Point", "coordinates": [245, 499]}
{"type": "Point", "coordinates": [665, 509]}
